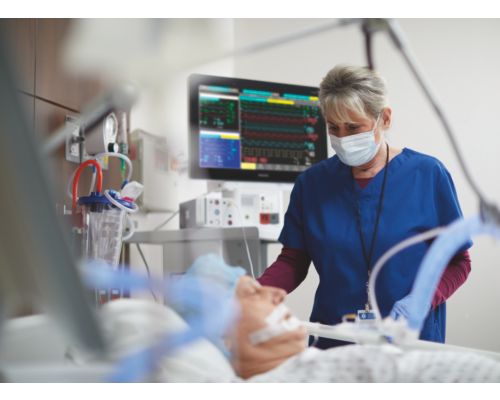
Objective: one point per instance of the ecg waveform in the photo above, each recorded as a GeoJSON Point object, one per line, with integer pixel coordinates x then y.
{"type": "Point", "coordinates": [274, 133]}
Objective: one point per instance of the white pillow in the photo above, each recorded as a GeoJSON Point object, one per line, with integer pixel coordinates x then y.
{"type": "Point", "coordinates": [133, 324]}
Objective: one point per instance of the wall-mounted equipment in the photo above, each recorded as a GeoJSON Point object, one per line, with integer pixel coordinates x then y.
{"type": "Point", "coordinates": [100, 139]}
{"type": "Point", "coordinates": [152, 166]}
{"type": "Point", "coordinates": [262, 208]}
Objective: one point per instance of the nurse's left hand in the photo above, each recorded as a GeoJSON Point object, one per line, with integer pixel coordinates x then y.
{"type": "Point", "coordinates": [400, 308]}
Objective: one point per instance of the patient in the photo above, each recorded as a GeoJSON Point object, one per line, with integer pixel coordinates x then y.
{"type": "Point", "coordinates": [267, 344]}
{"type": "Point", "coordinates": [268, 347]}
{"type": "Point", "coordinates": [257, 303]}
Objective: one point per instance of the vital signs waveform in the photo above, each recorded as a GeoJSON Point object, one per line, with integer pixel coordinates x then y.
{"type": "Point", "coordinates": [278, 119]}
{"type": "Point", "coordinates": [220, 114]}
{"type": "Point", "coordinates": [276, 144]}
{"type": "Point", "coordinates": [281, 136]}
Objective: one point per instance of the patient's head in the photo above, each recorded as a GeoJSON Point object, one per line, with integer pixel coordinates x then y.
{"type": "Point", "coordinates": [252, 354]}
{"type": "Point", "coordinates": [254, 349]}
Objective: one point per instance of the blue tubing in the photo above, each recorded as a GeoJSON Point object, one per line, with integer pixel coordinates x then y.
{"type": "Point", "coordinates": [436, 261]}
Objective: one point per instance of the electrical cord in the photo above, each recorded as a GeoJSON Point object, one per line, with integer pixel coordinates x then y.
{"type": "Point", "coordinates": [177, 212]}
{"type": "Point", "coordinates": [130, 226]}
{"type": "Point", "coordinates": [245, 239]}
{"type": "Point", "coordinates": [167, 220]}
{"type": "Point", "coordinates": [148, 271]}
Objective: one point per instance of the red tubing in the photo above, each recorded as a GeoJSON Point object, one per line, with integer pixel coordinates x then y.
{"type": "Point", "coordinates": [77, 178]}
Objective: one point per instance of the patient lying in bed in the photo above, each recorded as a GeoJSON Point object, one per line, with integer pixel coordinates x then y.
{"type": "Point", "coordinates": [266, 346]}
{"type": "Point", "coordinates": [285, 358]}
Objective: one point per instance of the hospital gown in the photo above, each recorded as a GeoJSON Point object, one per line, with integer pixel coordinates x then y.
{"type": "Point", "coordinates": [368, 363]}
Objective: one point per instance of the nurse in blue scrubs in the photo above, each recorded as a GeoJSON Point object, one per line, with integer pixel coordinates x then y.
{"type": "Point", "coordinates": [346, 211]}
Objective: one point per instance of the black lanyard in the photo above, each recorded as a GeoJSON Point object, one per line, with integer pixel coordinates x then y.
{"type": "Point", "coordinates": [368, 256]}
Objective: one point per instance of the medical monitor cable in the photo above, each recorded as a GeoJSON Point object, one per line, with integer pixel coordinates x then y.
{"type": "Point", "coordinates": [171, 217]}
{"type": "Point", "coordinates": [177, 212]}
{"type": "Point", "coordinates": [245, 240]}
{"type": "Point", "coordinates": [148, 271]}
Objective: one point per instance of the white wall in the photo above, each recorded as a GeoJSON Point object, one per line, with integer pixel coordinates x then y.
{"type": "Point", "coordinates": [163, 110]}
{"type": "Point", "coordinates": [461, 59]}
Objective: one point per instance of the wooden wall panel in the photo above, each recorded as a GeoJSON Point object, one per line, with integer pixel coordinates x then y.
{"type": "Point", "coordinates": [53, 81]}
{"type": "Point", "coordinates": [20, 34]}
{"type": "Point", "coordinates": [48, 118]}
{"type": "Point", "coordinates": [48, 94]}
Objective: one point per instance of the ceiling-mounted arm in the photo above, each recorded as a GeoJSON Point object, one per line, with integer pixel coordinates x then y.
{"type": "Point", "coordinates": [278, 41]}
{"type": "Point", "coordinates": [489, 211]}
{"type": "Point", "coordinates": [368, 34]}
{"type": "Point", "coordinates": [369, 26]}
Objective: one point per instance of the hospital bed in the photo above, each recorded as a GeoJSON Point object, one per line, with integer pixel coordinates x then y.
{"type": "Point", "coordinates": [33, 350]}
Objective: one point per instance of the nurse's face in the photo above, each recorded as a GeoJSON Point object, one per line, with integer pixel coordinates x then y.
{"type": "Point", "coordinates": [358, 124]}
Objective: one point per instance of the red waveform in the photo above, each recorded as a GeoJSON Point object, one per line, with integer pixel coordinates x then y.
{"type": "Point", "coordinates": [279, 136]}
{"type": "Point", "coordinates": [278, 119]}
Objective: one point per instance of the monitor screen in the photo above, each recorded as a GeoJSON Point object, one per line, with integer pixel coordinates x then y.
{"type": "Point", "coordinates": [247, 130]}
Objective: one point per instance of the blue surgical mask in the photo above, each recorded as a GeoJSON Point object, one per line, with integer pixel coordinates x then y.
{"type": "Point", "coordinates": [358, 149]}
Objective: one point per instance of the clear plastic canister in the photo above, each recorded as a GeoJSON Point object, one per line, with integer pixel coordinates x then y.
{"type": "Point", "coordinates": [102, 232]}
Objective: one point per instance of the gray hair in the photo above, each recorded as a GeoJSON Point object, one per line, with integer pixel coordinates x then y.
{"type": "Point", "coordinates": [351, 88]}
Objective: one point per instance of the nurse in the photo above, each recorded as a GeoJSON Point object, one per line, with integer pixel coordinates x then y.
{"type": "Point", "coordinates": [346, 211]}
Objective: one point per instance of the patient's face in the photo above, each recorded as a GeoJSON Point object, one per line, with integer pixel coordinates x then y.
{"type": "Point", "coordinates": [257, 302]}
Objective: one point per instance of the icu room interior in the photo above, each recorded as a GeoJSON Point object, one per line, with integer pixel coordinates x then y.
{"type": "Point", "coordinates": [249, 200]}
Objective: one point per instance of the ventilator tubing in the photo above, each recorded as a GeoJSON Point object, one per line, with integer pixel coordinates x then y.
{"type": "Point", "coordinates": [437, 259]}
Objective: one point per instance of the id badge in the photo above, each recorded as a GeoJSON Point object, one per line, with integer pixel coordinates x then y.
{"type": "Point", "coordinates": [365, 316]}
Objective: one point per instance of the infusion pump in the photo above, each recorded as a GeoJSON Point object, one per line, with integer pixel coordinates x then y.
{"type": "Point", "coordinates": [264, 209]}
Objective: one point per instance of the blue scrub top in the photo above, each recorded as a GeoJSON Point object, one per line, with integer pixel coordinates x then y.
{"type": "Point", "coordinates": [321, 219]}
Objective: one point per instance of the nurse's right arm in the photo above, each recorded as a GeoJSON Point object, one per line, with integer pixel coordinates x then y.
{"type": "Point", "coordinates": [288, 271]}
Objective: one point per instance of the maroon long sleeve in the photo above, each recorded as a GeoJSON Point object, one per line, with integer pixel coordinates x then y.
{"type": "Point", "coordinates": [453, 277]}
{"type": "Point", "coordinates": [288, 271]}
{"type": "Point", "coordinates": [291, 266]}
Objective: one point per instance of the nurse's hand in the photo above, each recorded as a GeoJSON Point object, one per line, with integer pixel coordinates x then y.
{"type": "Point", "coordinates": [400, 308]}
